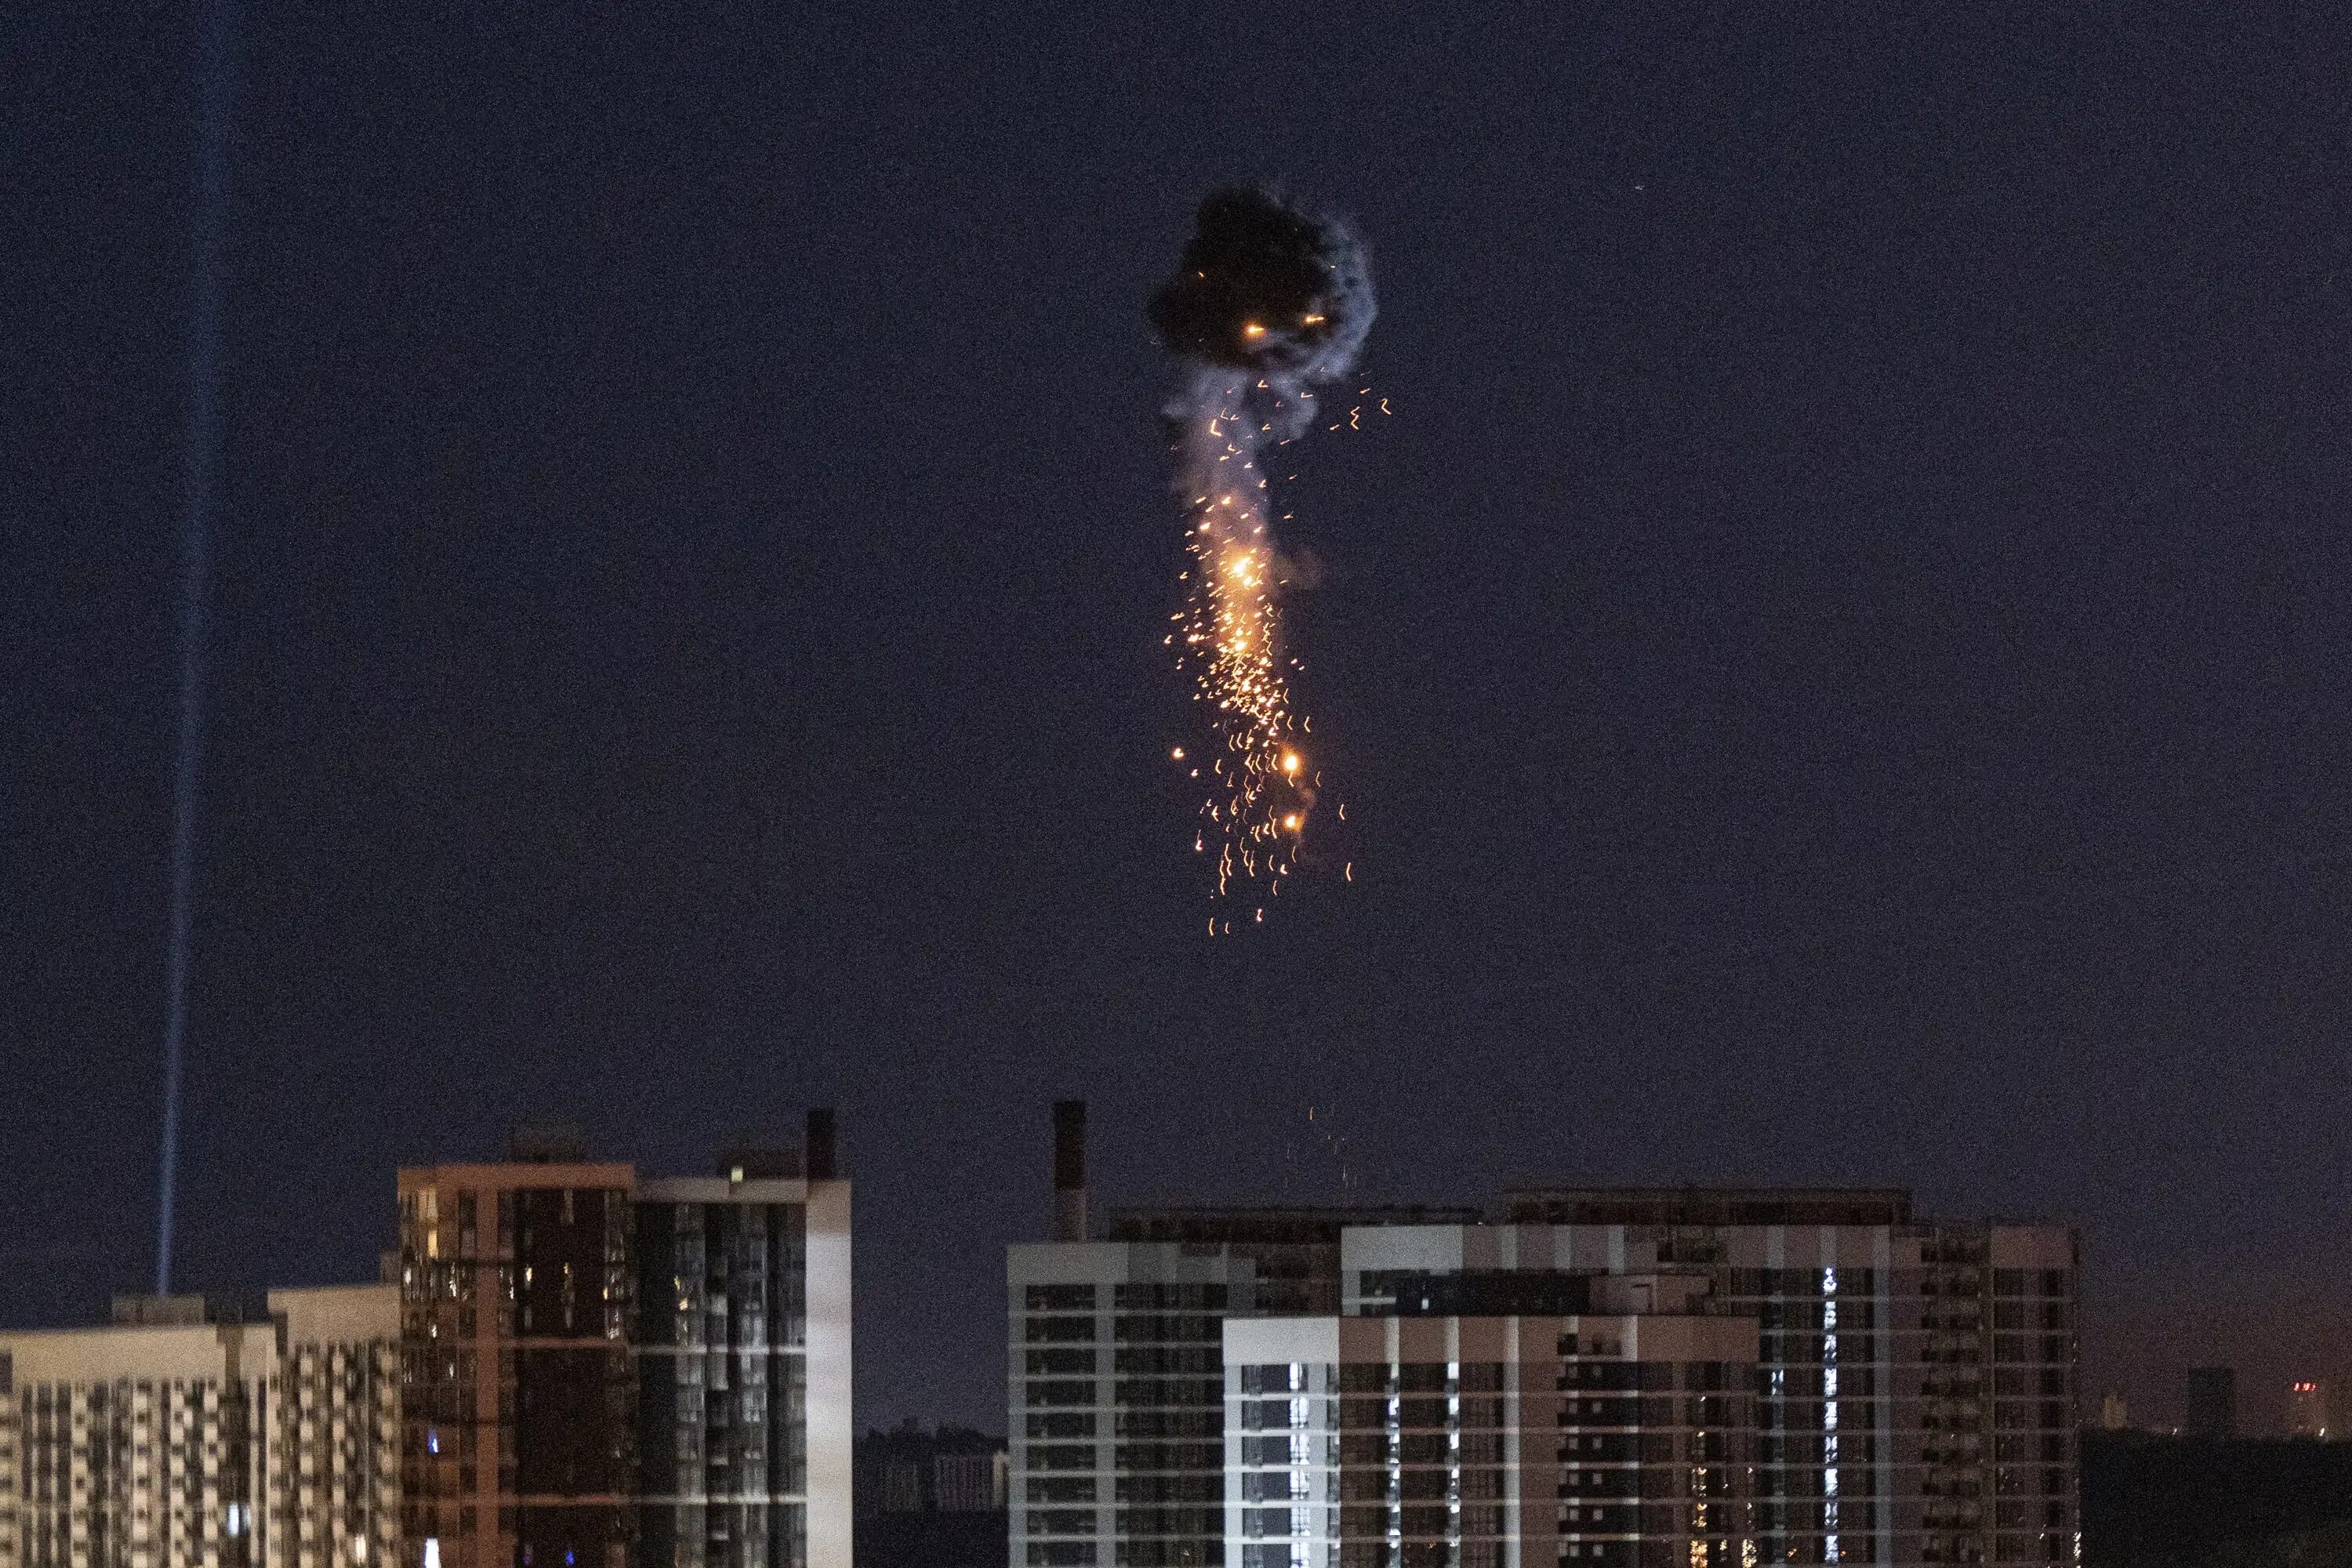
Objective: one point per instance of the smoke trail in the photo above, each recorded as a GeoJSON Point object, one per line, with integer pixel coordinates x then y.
{"type": "Point", "coordinates": [1268, 302]}
{"type": "Point", "coordinates": [214, 66]}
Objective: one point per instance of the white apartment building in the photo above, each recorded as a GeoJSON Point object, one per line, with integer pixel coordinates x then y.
{"type": "Point", "coordinates": [1115, 1391]}
{"type": "Point", "coordinates": [1916, 1382]}
{"type": "Point", "coordinates": [1610, 1434]}
{"type": "Point", "coordinates": [1850, 1383]}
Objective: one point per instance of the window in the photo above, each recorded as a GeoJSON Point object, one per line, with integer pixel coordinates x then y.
{"type": "Point", "coordinates": [1072, 1393]}
{"type": "Point", "coordinates": [1171, 1298]}
{"type": "Point", "coordinates": [1060, 1298]}
{"type": "Point", "coordinates": [1052, 1331]}
{"type": "Point", "coordinates": [1072, 1456]}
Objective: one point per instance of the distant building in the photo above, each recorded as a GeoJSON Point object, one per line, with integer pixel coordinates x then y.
{"type": "Point", "coordinates": [952, 1470]}
{"type": "Point", "coordinates": [604, 1369]}
{"type": "Point", "coordinates": [931, 1499]}
{"type": "Point", "coordinates": [2307, 1410]}
{"type": "Point", "coordinates": [2114, 1415]}
{"type": "Point", "coordinates": [2212, 1402]}
{"type": "Point", "coordinates": [1891, 1391]}
{"type": "Point", "coordinates": [971, 1482]}
{"type": "Point", "coordinates": [205, 1433]}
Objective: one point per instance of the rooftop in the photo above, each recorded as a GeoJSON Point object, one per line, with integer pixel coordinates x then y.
{"type": "Point", "coordinates": [1707, 1205]}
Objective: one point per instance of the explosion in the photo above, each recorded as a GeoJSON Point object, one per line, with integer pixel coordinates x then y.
{"type": "Point", "coordinates": [1267, 303]}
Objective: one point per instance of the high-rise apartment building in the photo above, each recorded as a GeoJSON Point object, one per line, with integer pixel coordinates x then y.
{"type": "Point", "coordinates": [1619, 1432]}
{"type": "Point", "coordinates": [194, 1435]}
{"type": "Point", "coordinates": [743, 1381]}
{"type": "Point", "coordinates": [1115, 1361]}
{"type": "Point", "coordinates": [518, 1407]}
{"type": "Point", "coordinates": [333, 1461]}
{"type": "Point", "coordinates": [1914, 1393]}
{"type": "Point", "coordinates": [604, 1370]}
{"type": "Point", "coordinates": [1906, 1395]}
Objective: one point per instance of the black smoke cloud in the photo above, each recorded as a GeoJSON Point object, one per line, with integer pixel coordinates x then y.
{"type": "Point", "coordinates": [1267, 287]}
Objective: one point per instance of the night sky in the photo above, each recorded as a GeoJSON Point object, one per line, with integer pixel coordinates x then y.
{"type": "Point", "coordinates": [1837, 662]}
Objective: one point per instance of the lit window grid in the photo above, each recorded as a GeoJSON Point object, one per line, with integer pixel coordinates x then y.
{"type": "Point", "coordinates": [1150, 1399]}
{"type": "Point", "coordinates": [295, 1465]}
{"type": "Point", "coordinates": [1282, 1478]}
{"type": "Point", "coordinates": [1916, 1400]}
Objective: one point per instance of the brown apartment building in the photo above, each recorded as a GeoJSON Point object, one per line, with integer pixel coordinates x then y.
{"type": "Point", "coordinates": [600, 1368]}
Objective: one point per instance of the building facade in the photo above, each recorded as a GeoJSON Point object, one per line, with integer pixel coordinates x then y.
{"type": "Point", "coordinates": [189, 1435]}
{"type": "Point", "coordinates": [1915, 1394]}
{"type": "Point", "coordinates": [1446, 1441]}
{"type": "Point", "coordinates": [334, 1459]}
{"type": "Point", "coordinates": [517, 1408]}
{"type": "Point", "coordinates": [1908, 1395]}
{"type": "Point", "coordinates": [951, 1469]}
{"type": "Point", "coordinates": [602, 1369]}
{"type": "Point", "coordinates": [742, 1391]}
{"type": "Point", "coordinates": [1116, 1396]}
{"type": "Point", "coordinates": [1116, 1438]}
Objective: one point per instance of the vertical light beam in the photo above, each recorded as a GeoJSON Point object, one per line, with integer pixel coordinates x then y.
{"type": "Point", "coordinates": [214, 85]}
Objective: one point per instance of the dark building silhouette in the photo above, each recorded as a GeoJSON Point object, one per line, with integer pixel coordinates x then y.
{"type": "Point", "coordinates": [930, 1498]}
{"type": "Point", "coordinates": [2213, 1403]}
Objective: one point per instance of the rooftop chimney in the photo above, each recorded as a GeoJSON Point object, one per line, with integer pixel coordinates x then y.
{"type": "Point", "coordinates": [820, 1151]}
{"type": "Point", "coordinates": [1069, 1170]}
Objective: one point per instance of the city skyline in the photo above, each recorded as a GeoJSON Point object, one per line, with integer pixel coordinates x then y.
{"type": "Point", "coordinates": [1628, 1375]}
{"type": "Point", "coordinates": [2150, 1369]}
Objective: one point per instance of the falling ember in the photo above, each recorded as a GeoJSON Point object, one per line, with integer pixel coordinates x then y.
{"type": "Point", "coordinates": [1255, 266]}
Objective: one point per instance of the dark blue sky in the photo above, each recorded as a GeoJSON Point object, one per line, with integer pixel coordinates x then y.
{"type": "Point", "coordinates": [1837, 662]}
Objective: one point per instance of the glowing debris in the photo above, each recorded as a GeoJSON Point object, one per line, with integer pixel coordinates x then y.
{"type": "Point", "coordinates": [1271, 302]}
